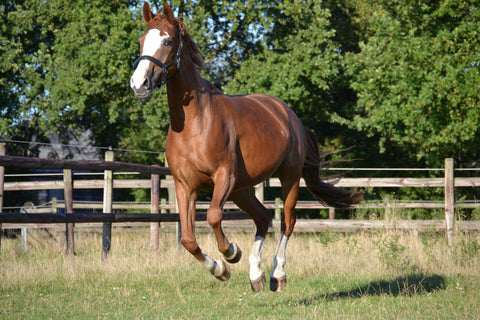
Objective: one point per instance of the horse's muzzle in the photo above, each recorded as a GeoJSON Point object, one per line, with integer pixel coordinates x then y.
{"type": "Point", "coordinates": [144, 91]}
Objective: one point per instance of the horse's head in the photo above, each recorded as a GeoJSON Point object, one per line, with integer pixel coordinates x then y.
{"type": "Point", "coordinates": [160, 51]}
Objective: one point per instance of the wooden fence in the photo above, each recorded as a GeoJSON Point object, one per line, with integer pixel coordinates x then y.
{"type": "Point", "coordinates": [448, 182]}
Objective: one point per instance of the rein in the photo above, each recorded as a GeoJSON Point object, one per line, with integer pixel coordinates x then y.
{"type": "Point", "coordinates": [161, 64]}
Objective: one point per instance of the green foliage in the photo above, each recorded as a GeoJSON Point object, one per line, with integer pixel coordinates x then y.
{"type": "Point", "coordinates": [392, 254]}
{"type": "Point", "coordinates": [466, 251]}
{"type": "Point", "coordinates": [66, 67]}
{"type": "Point", "coordinates": [397, 79]}
{"type": "Point", "coordinates": [417, 78]}
{"type": "Point", "coordinates": [297, 62]}
{"type": "Point", "coordinates": [325, 237]}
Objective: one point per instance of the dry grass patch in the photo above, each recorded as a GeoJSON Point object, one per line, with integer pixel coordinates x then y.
{"type": "Point", "coordinates": [330, 275]}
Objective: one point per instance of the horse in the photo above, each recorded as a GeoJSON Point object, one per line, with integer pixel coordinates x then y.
{"type": "Point", "coordinates": [226, 145]}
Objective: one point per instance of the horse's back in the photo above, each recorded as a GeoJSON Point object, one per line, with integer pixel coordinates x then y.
{"type": "Point", "coordinates": [262, 111]}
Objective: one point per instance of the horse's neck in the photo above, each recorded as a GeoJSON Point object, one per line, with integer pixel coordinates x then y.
{"type": "Point", "coordinates": [188, 97]}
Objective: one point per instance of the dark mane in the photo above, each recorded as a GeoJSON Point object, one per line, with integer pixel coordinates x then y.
{"type": "Point", "coordinates": [191, 47]}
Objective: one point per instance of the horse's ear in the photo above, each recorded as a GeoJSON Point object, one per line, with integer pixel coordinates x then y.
{"type": "Point", "coordinates": [147, 12]}
{"type": "Point", "coordinates": [168, 13]}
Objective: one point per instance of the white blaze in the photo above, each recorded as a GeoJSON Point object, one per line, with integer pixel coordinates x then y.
{"type": "Point", "coordinates": [153, 42]}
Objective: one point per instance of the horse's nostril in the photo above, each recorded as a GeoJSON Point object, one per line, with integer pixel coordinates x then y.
{"type": "Point", "coordinates": [146, 83]}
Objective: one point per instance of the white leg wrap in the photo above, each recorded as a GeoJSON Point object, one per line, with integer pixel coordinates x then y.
{"type": "Point", "coordinates": [280, 259]}
{"type": "Point", "coordinates": [212, 266]}
{"type": "Point", "coordinates": [255, 258]}
{"type": "Point", "coordinates": [232, 251]}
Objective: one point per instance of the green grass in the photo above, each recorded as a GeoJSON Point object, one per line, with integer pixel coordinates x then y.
{"type": "Point", "coordinates": [332, 276]}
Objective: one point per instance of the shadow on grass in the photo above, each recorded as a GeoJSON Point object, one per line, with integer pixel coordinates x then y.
{"type": "Point", "coordinates": [402, 286]}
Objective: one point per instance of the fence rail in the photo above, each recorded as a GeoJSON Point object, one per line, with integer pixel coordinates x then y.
{"type": "Point", "coordinates": [93, 165]}
{"type": "Point", "coordinates": [272, 182]}
{"type": "Point", "coordinates": [68, 184]}
{"type": "Point", "coordinates": [107, 217]}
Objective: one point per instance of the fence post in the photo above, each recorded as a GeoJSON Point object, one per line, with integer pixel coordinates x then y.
{"type": "Point", "coordinates": [24, 234]}
{"type": "Point", "coordinates": [449, 200]}
{"type": "Point", "coordinates": [331, 213]}
{"type": "Point", "coordinates": [259, 192]}
{"type": "Point", "coordinates": [54, 204]}
{"type": "Point", "coordinates": [68, 195]}
{"type": "Point", "coordinates": [2, 180]}
{"type": "Point", "coordinates": [107, 207]}
{"type": "Point", "coordinates": [163, 209]}
{"type": "Point", "coordinates": [155, 208]}
{"type": "Point", "coordinates": [163, 205]}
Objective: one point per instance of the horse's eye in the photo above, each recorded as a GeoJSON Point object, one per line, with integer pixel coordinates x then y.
{"type": "Point", "coordinates": [167, 43]}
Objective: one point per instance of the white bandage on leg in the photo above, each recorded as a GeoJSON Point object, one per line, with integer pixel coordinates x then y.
{"type": "Point", "coordinates": [255, 258]}
{"type": "Point", "coordinates": [280, 259]}
{"type": "Point", "coordinates": [232, 251]}
{"type": "Point", "coordinates": [217, 269]}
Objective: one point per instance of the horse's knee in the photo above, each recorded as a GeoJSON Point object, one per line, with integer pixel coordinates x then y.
{"type": "Point", "coordinates": [214, 217]}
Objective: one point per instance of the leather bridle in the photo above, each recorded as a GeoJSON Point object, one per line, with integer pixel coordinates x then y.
{"type": "Point", "coordinates": [163, 66]}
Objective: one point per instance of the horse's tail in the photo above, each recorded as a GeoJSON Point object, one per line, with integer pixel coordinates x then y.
{"type": "Point", "coordinates": [324, 192]}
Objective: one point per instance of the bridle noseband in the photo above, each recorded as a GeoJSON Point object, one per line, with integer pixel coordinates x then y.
{"type": "Point", "coordinates": [161, 64]}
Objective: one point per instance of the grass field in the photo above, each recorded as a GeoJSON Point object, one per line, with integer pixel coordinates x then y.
{"type": "Point", "coordinates": [330, 276]}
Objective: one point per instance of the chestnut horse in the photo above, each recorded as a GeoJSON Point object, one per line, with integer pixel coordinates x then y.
{"type": "Point", "coordinates": [226, 145]}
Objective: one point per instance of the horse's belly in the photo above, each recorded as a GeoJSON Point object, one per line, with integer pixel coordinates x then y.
{"type": "Point", "coordinates": [266, 136]}
{"type": "Point", "coordinates": [259, 163]}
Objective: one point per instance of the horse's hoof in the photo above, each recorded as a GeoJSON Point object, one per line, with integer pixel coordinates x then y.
{"type": "Point", "coordinates": [276, 285]}
{"type": "Point", "coordinates": [258, 284]}
{"type": "Point", "coordinates": [236, 255]}
{"type": "Point", "coordinates": [226, 271]}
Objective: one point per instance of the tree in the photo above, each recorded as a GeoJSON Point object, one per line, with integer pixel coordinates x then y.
{"type": "Point", "coordinates": [397, 77]}
{"type": "Point", "coordinates": [298, 62]}
{"type": "Point", "coordinates": [66, 67]}
{"type": "Point", "coordinates": [416, 78]}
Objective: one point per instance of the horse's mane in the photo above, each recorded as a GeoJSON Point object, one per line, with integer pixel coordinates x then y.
{"type": "Point", "coordinates": [190, 47]}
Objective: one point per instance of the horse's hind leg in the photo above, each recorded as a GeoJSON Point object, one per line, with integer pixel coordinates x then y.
{"type": "Point", "coordinates": [247, 201]}
{"type": "Point", "coordinates": [278, 277]}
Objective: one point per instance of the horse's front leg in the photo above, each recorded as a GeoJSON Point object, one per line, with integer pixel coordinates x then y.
{"type": "Point", "coordinates": [224, 183]}
{"type": "Point", "coordinates": [186, 205]}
